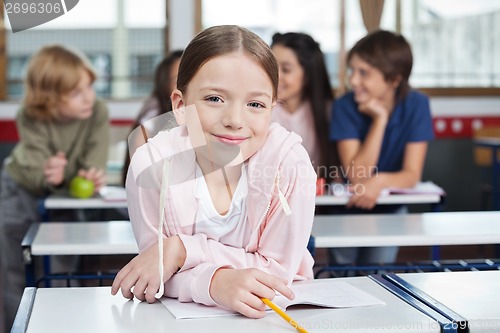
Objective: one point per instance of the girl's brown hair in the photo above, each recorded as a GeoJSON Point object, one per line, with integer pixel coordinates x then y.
{"type": "Point", "coordinates": [52, 72]}
{"type": "Point", "coordinates": [221, 40]}
{"type": "Point", "coordinates": [388, 52]}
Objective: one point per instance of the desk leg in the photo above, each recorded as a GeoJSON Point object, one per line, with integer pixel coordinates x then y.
{"type": "Point", "coordinates": [29, 268]}
{"type": "Point", "coordinates": [44, 214]}
{"type": "Point", "coordinates": [495, 170]}
{"type": "Point", "coordinates": [311, 245]}
{"type": "Point", "coordinates": [438, 207]}
{"type": "Point", "coordinates": [27, 257]}
{"type": "Point", "coordinates": [46, 270]}
{"type": "Point", "coordinates": [436, 253]}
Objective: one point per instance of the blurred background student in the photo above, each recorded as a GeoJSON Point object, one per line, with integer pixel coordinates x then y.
{"type": "Point", "coordinates": [159, 102]}
{"type": "Point", "coordinates": [63, 132]}
{"type": "Point", "coordinates": [382, 128]}
{"type": "Point", "coordinates": [304, 95]}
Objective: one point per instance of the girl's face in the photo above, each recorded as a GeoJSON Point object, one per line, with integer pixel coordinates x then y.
{"type": "Point", "coordinates": [227, 109]}
{"type": "Point", "coordinates": [368, 82]}
{"type": "Point", "coordinates": [291, 74]}
{"type": "Point", "coordinates": [78, 103]}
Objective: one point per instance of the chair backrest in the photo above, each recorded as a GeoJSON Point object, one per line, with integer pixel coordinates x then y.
{"type": "Point", "coordinates": [482, 155]}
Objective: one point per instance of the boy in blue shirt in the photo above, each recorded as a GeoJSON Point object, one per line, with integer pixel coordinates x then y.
{"type": "Point", "coordinates": [382, 128]}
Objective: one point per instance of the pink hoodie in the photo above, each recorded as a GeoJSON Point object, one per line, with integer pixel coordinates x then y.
{"type": "Point", "coordinates": [277, 243]}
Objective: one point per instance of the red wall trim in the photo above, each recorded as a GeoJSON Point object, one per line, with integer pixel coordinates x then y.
{"type": "Point", "coordinates": [444, 127]}
{"type": "Point", "coordinates": [8, 130]}
{"type": "Point", "coordinates": [462, 127]}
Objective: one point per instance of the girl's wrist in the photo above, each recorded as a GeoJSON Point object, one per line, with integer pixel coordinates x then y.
{"type": "Point", "coordinates": [178, 249]}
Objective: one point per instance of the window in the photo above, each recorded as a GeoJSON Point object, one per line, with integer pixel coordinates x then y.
{"type": "Point", "coordinates": [123, 56]}
{"type": "Point", "coordinates": [454, 45]}
{"type": "Point", "coordinates": [318, 18]}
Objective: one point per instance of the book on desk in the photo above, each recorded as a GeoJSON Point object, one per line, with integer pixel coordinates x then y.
{"type": "Point", "coordinates": [319, 293]}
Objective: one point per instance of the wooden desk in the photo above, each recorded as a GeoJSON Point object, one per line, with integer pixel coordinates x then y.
{"type": "Point", "coordinates": [425, 229]}
{"type": "Point", "coordinates": [95, 310]}
{"type": "Point", "coordinates": [73, 238]}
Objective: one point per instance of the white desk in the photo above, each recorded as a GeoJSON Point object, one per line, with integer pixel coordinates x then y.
{"type": "Point", "coordinates": [425, 229]}
{"type": "Point", "coordinates": [473, 295]}
{"type": "Point", "coordinates": [89, 238]}
{"type": "Point", "coordinates": [111, 197]}
{"type": "Point", "coordinates": [95, 310]}
{"type": "Point", "coordinates": [73, 238]}
{"type": "Point", "coordinates": [64, 202]}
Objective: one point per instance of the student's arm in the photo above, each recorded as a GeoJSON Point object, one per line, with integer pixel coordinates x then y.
{"type": "Point", "coordinates": [360, 158]}
{"type": "Point", "coordinates": [418, 126]}
{"type": "Point", "coordinates": [408, 176]}
{"type": "Point", "coordinates": [93, 160]}
{"type": "Point", "coordinates": [35, 153]}
{"type": "Point", "coordinates": [281, 249]}
{"type": "Point", "coordinates": [283, 239]}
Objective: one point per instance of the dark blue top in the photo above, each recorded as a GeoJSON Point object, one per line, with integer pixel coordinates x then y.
{"type": "Point", "coordinates": [410, 122]}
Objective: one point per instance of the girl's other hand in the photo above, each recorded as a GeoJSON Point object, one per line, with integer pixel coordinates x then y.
{"type": "Point", "coordinates": [53, 169]}
{"type": "Point", "coordinates": [365, 194]}
{"type": "Point", "coordinates": [241, 290]}
{"type": "Point", "coordinates": [141, 277]}
{"type": "Point", "coordinates": [95, 175]}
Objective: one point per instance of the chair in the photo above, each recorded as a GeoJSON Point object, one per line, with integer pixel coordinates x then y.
{"type": "Point", "coordinates": [487, 144]}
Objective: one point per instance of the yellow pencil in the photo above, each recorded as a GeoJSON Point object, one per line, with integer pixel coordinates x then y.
{"type": "Point", "coordinates": [283, 315]}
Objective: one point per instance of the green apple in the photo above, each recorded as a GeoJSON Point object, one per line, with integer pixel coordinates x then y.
{"type": "Point", "coordinates": [80, 187]}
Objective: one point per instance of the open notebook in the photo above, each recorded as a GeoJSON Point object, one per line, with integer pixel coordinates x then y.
{"type": "Point", "coordinates": [427, 187]}
{"type": "Point", "coordinates": [327, 293]}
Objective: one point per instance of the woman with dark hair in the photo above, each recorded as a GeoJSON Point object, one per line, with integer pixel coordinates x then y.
{"type": "Point", "coordinates": [304, 95]}
{"type": "Point", "coordinates": [159, 102]}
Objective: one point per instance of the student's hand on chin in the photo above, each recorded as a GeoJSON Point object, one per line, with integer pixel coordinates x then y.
{"type": "Point", "coordinates": [373, 108]}
{"type": "Point", "coordinates": [366, 194]}
{"type": "Point", "coordinates": [241, 289]}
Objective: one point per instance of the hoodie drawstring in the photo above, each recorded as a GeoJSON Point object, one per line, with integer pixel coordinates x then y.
{"type": "Point", "coordinates": [163, 196]}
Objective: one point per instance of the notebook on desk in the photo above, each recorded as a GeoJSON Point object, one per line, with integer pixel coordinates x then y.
{"type": "Point", "coordinates": [427, 187]}
{"type": "Point", "coordinates": [113, 193]}
{"type": "Point", "coordinates": [327, 293]}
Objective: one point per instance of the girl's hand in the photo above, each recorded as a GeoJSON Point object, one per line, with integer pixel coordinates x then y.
{"type": "Point", "coordinates": [53, 169]}
{"type": "Point", "coordinates": [365, 194]}
{"type": "Point", "coordinates": [241, 289]}
{"type": "Point", "coordinates": [142, 272]}
{"type": "Point", "coordinates": [95, 175]}
{"type": "Point", "coordinates": [374, 109]}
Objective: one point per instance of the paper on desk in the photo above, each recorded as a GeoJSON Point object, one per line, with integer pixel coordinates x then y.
{"type": "Point", "coordinates": [113, 193]}
{"type": "Point", "coordinates": [331, 294]}
{"type": "Point", "coordinates": [427, 187]}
